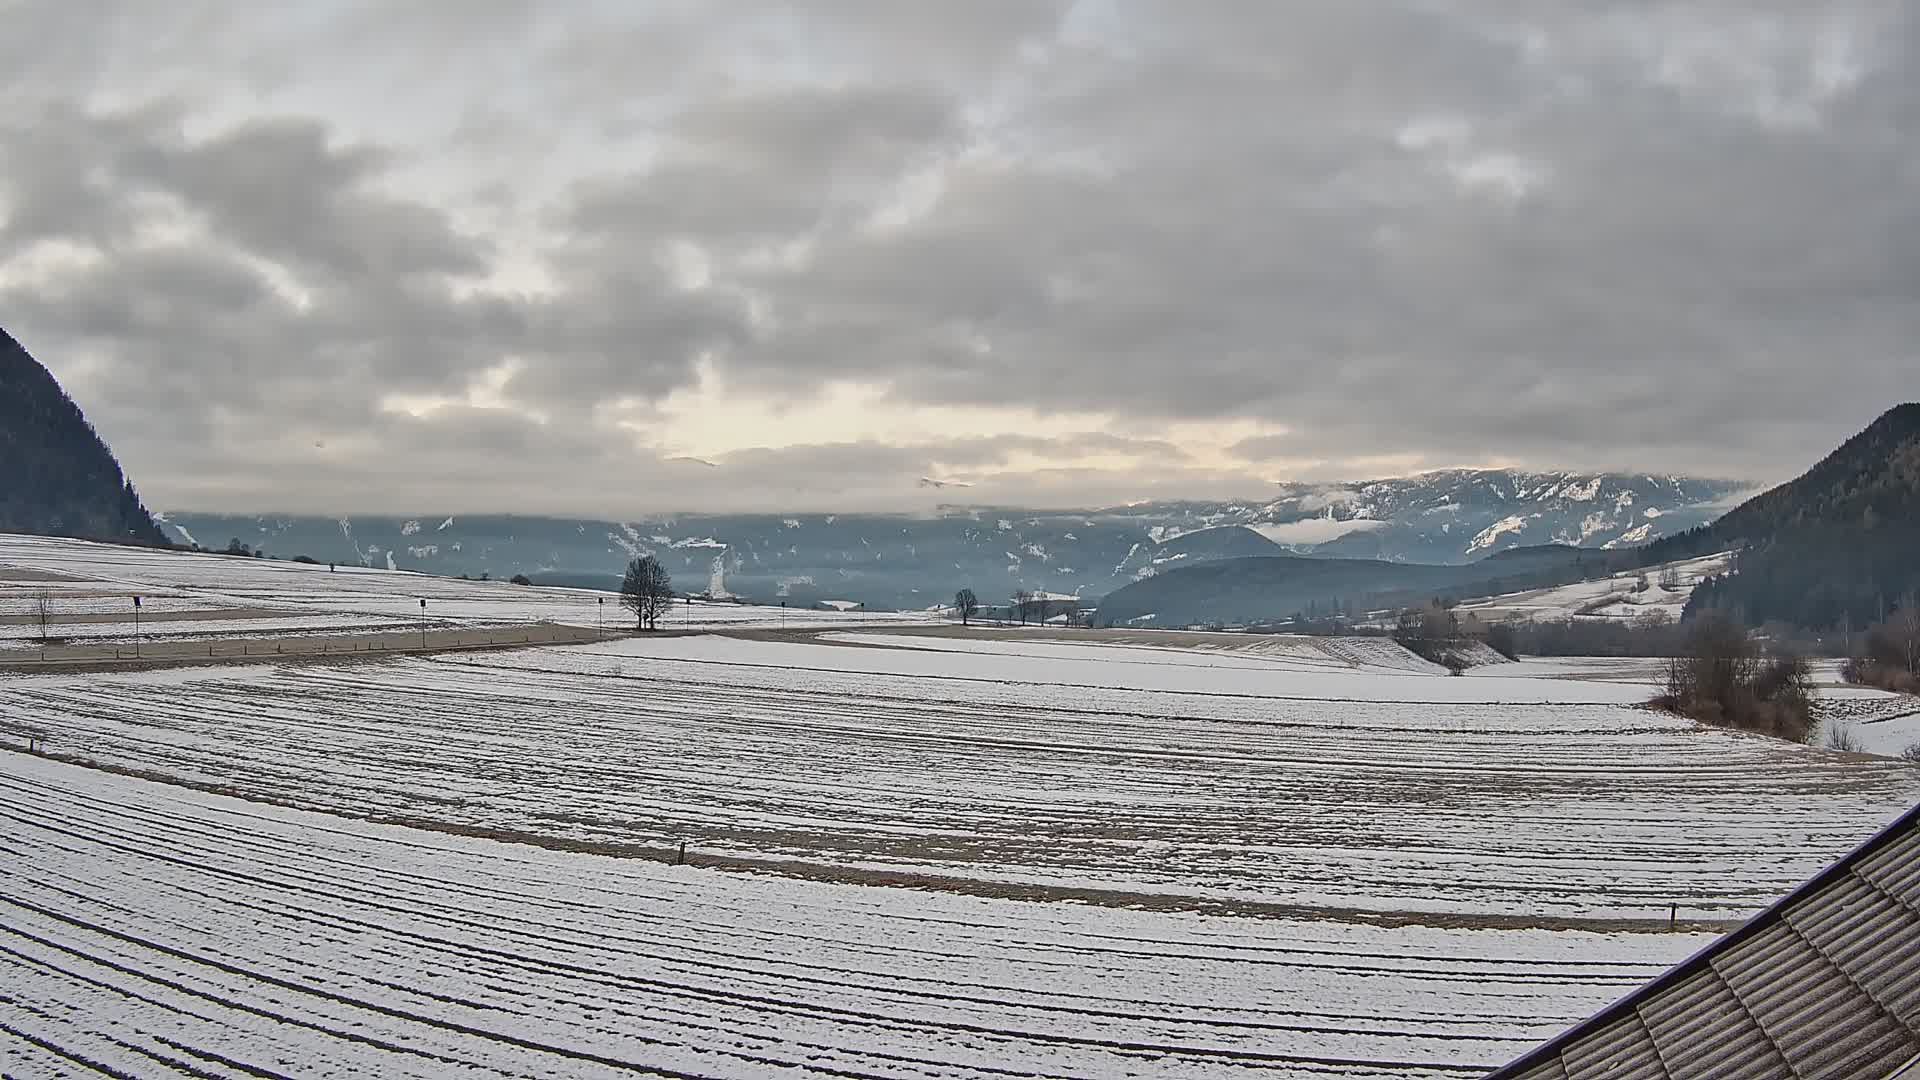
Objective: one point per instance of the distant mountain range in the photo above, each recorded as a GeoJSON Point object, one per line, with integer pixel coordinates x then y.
{"type": "Point", "coordinates": [1461, 515]}
{"type": "Point", "coordinates": [920, 561]}
{"type": "Point", "coordinates": [1838, 546]}
{"type": "Point", "coordinates": [57, 477]}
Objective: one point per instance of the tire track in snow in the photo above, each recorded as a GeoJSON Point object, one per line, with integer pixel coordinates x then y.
{"type": "Point", "coordinates": [420, 872]}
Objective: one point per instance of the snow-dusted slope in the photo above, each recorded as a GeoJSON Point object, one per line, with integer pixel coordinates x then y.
{"type": "Point", "coordinates": [1661, 590]}
{"type": "Point", "coordinates": [1465, 514]}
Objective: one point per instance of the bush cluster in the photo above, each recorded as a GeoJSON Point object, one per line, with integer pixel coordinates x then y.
{"type": "Point", "coordinates": [1720, 678]}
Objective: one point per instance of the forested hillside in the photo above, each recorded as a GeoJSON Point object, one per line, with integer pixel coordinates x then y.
{"type": "Point", "coordinates": [1275, 588]}
{"type": "Point", "coordinates": [1838, 546]}
{"type": "Point", "coordinates": [56, 476]}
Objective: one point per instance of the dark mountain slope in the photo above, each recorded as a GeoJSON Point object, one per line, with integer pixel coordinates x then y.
{"type": "Point", "coordinates": [1873, 477]}
{"type": "Point", "coordinates": [1274, 588]}
{"type": "Point", "coordinates": [56, 477]}
{"type": "Point", "coordinates": [1838, 545]}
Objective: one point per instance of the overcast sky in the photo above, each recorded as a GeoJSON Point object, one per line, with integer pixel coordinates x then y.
{"type": "Point", "coordinates": [623, 257]}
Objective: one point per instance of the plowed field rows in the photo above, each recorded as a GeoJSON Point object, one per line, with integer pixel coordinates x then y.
{"type": "Point", "coordinates": [1492, 812]}
{"type": "Point", "coordinates": [152, 931]}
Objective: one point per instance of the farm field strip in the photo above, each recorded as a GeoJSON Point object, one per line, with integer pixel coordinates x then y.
{"type": "Point", "coordinates": [216, 581]}
{"type": "Point", "coordinates": [1375, 807]}
{"type": "Point", "coordinates": [158, 630]}
{"type": "Point", "coordinates": [147, 923]}
{"type": "Point", "coordinates": [1258, 655]}
{"type": "Point", "coordinates": [1193, 671]}
{"type": "Point", "coordinates": [22, 603]}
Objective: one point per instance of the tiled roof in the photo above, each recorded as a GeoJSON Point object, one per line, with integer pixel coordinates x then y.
{"type": "Point", "coordinates": [1826, 983]}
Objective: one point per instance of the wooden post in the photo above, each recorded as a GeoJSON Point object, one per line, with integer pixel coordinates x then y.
{"type": "Point", "coordinates": [681, 860]}
{"type": "Point", "coordinates": [1673, 915]}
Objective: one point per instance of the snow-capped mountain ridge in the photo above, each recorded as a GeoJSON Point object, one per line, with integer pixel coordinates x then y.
{"type": "Point", "coordinates": [919, 561]}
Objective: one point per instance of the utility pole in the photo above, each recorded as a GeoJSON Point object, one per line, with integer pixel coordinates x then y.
{"type": "Point", "coordinates": [603, 616]}
{"type": "Point", "coordinates": [136, 626]}
{"type": "Point", "coordinates": [423, 622]}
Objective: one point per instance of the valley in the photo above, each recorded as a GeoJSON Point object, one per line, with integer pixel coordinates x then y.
{"type": "Point", "coordinates": [1084, 851]}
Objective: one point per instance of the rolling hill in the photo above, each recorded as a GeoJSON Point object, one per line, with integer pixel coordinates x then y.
{"type": "Point", "coordinates": [1834, 547]}
{"type": "Point", "coordinates": [1273, 588]}
{"type": "Point", "coordinates": [1837, 546]}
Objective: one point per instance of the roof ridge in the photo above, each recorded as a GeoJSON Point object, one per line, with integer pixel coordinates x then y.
{"type": "Point", "coordinates": [1703, 960]}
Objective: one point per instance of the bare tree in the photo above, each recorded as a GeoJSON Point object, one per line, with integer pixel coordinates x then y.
{"type": "Point", "coordinates": [1721, 678]}
{"type": "Point", "coordinates": [1670, 579]}
{"type": "Point", "coordinates": [1719, 662]}
{"type": "Point", "coordinates": [1892, 651]}
{"type": "Point", "coordinates": [647, 590]}
{"type": "Point", "coordinates": [966, 604]}
{"type": "Point", "coordinates": [1022, 603]}
{"type": "Point", "coordinates": [1904, 628]}
{"type": "Point", "coordinates": [43, 611]}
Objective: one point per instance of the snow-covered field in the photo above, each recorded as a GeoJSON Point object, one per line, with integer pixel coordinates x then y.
{"type": "Point", "coordinates": [27, 635]}
{"type": "Point", "coordinates": [188, 581]}
{"type": "Point", "coordinates": [1618, 597]}
{"type": "Point", "coordinates": [1876, 721]}
{"type": "Point", "coordinates": [927, 852]}
{"type": "Point", "coordinates": [1200, 785]}
{"type": "Point", "coordinates": [162, 932]}
{"type": "Point", "coordinates": [1374, 670]}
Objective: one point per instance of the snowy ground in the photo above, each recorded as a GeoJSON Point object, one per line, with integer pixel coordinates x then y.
{"type": "Point", "coordinates": [28, 635]}
{"type": "Point", "coordinates": [106, 576]}
{"type": "Point", "coordinates": [1876, 721]}
{"type": "Point", "coordinates": [1618, 597]}
{"type": "Point", "coordinates": [158, 931]}
{"type": "Point", "coordinates": [948, 854]}
{"type": "Point", "coordinates": [1370, 791]}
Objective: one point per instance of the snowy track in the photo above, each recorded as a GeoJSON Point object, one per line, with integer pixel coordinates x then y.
{"type": "Point", "coordinates": [151, 931]}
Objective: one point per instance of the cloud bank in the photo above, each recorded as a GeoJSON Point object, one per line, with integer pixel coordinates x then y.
{"type": "Point", "coordinates": [498, 255]}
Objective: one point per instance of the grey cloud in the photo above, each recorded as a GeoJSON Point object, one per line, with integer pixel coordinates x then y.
{"type": "Point", "coordinates": [768, 162]}
{"type": "Point", "coordinates": [277, 188]}
{"type": "Point", "coordinates": [1565, 234]}
{"type": "Point", "coordinates": [395, 463]}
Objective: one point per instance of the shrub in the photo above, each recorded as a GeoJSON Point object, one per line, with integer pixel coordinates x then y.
{"type": "Point", "coordinates": [1866, 672]}
{"type": "Point", "coordinates": [1720, 679]}
{"type": "Point", "coordinates": [1911, 753]}
{"type": "Point", "coordinates": [1842, 737]}
{"type": "Point", "coordinates": [521, 579]}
